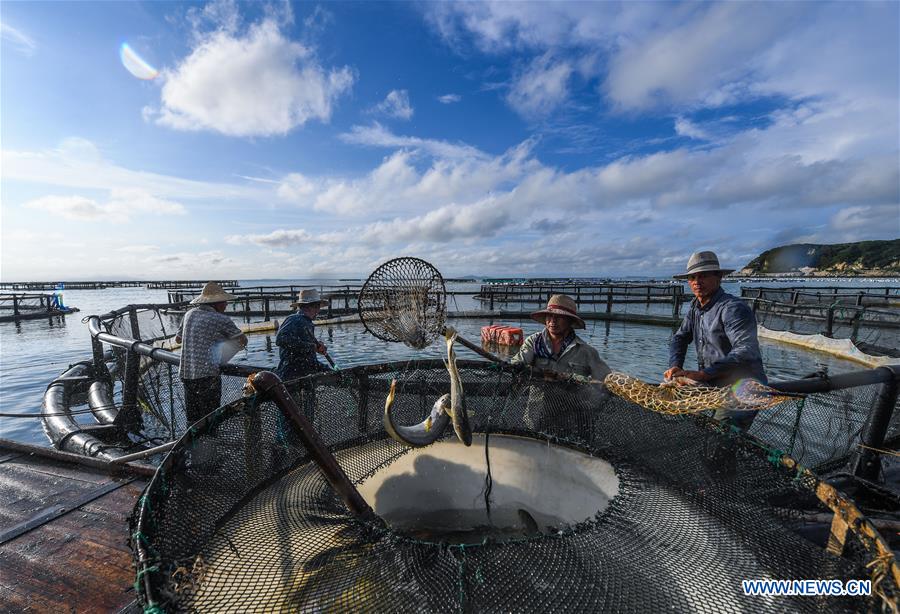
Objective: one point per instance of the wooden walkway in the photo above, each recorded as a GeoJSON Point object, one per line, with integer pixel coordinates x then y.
{"type": "Point", "coordinates": [63, 535]}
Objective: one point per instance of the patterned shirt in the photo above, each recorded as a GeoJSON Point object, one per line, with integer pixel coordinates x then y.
{"type": "Point", "coordinates": [724, 335]}
{"type": "Point", "coordinates": [204, 334]}
{"type": "Point", "coordinates": [296, 341]}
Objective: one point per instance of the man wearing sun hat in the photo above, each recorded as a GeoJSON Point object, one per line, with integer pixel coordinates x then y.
{"type": "Point", "coordinates": [296, 338]}
{"type": "Point", "coordinates": [557, 347]}
{"type": "Point", "coordinates": [208, 339]}
{"type": "Point", "coordinates": [723, 329]}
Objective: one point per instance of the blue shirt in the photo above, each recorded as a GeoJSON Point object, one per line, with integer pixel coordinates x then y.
{"type": "Point", "coordinates": [296, 341]}
{"type": "Point", "coordinates": [724, 335]}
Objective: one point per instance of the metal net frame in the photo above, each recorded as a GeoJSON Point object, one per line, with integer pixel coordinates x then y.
{"type": "Point", "coordinates": [238, 518]}
{"type": "Point", "coordinates": [404, 300]}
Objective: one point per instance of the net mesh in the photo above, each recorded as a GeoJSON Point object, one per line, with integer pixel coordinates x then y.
{"type": "Point", "coordinates": [404, 300]}
{"type": "Point", "coordinates": [239, 519]}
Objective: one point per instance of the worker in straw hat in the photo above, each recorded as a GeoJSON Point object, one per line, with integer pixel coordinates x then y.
{"type": "Point", "coordinates": [723, 329]}
{"type": "Point", "coordinates": [208, 339]}
{"type": "Point", "coordinates": [565, 413]}
{"type": "Point", "coordinates": [557, 347]}
{"type": "Point", "coordinates": [296, 338]}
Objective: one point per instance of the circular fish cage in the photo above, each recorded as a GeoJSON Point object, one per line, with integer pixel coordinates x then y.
{"type": "Point", "coordinates": [569, 499]}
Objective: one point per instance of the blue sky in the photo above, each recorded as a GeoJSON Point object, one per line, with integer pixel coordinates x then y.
{"type": "Point", "coordinates": [283, 140]}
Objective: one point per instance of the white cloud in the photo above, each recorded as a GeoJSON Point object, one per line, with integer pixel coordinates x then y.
{"type": "Point", "coordinates": [20, 41]}
{"type": "Point", "coordinates": [121, 205]}
{"type": "Point", "coordinates": [138, 249]}
{"type": "Point", "coordinates": [540, 88]}
{"type": "Point", "coordinates": [78, 163]}
{"type": "Point", "coordinates": [276, 239]}
{"type": "Point", "coordinates": [396, 104]}
{"type": "Point", "coordinates": [259, 84]}
{"type": "Point", "coordinates": [70, 207]}
{"type": "Point", "coordinates": [377, 135]}
{"type": "Point", "coordinates": [871, 221]}
{"type": "Point", "coordinates": [449, 98]}
{"type": "Point", "coordinates": [685, 127]}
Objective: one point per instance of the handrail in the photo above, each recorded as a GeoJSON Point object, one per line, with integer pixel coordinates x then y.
{"type": "Point", "coordinates": [157, 353]}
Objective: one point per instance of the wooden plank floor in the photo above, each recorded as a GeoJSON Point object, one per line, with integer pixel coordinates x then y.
{"type": "Point", "coordinates": [64, 530]}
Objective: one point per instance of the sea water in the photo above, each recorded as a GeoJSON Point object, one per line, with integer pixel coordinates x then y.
{"type": "Point", "coordinates": [34, 352]}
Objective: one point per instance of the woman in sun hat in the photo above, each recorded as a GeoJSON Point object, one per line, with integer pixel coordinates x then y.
{"type": "Point", "coordinates": [557, 347]}
{"type": "Point", "coordinates": [569, 412]}
{"type": "Point", "coordinates": [208, 339]}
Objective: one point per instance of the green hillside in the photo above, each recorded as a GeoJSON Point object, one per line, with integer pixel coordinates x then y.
{"type": "Point", "coordinates": [865, 258]}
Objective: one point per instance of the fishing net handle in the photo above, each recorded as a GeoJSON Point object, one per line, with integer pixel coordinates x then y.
{"type": "Point", "coordinates": [271, 387]}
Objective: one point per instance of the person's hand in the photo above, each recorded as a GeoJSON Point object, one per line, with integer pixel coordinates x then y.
{"type": "Point", "coordinates": [674, 372]}
{"type": "Point", "coordinates": [697, 376]}
{"type": "Point", "coordinates": [320, 348]}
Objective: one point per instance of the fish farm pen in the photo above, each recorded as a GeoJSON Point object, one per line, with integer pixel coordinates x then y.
{"type": "Point", "coordinates": [31, 306]}
{"type": "Point", "coordinates": [570, 498]}
{"type": "Point", "coordinates": [348, 490]}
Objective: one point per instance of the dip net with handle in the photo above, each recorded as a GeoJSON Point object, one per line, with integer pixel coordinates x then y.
{"type": "Point", "coordinates": [569, 499]}
{"type": "Point", "coordinates": [404, 300]}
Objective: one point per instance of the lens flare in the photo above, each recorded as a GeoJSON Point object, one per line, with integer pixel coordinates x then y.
{"type": "Point", "coordinates": [135, 64]}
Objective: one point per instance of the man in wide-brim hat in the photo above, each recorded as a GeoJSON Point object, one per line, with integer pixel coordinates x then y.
{"type": "Point", "coordinates": [557, 347]}
{"type": "Point", "coordinates": [723, 329]}
{"type": "Point", "coordinates": [208, 339]}
{"type": "Point", "coordinates": [296, 338]}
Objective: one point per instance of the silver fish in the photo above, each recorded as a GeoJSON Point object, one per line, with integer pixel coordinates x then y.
{"type": "Point", "coordinates": [424, 433]}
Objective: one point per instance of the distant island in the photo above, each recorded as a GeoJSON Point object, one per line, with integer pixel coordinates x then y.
{"type": "Point", "coordinates": [861, 259]}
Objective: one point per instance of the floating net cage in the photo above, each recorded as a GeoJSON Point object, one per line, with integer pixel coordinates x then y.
{"type": "Point", "coordinates": [877, 327]}
{"type": "Point", "coordinates": [569, 499]}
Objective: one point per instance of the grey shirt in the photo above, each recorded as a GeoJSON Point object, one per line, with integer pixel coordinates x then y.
{"type": "Point", "coordinates": [578, 358]}
{"type": "Point", "coordinates": [204, 332]}
{"type": "Point", "coordinates": [724, 335]}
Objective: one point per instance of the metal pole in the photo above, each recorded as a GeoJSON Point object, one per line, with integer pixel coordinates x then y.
{"type": "Point", "coordinates": [868, 463]}
{"type": "Point", "coordinates": [270, 386]}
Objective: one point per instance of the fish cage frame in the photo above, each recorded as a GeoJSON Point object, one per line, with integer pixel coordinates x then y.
{"type": "Point", "coordinates": [846, 517]}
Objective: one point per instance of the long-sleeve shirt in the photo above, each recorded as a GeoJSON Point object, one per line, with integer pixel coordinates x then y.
{"type": "Point", "coordinates": [577, 357]}
{"type": "Point", "coordinates": [296, 341]}
{"type": "Point", "coordinates": [724, 335]}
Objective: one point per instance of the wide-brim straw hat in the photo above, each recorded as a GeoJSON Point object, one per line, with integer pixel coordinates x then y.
{"type": "Point", "coordinates": [701, 262]}
{"type": "Point", "coordinates": [560, 305]}
{"type": "Point", "coordinates": [308, 297]}
{"type": "Point", "coordinates": [212, 293]}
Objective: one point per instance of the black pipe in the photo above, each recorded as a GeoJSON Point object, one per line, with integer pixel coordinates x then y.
{"type": "Point", "coordinates": [868, 463]}
{"type": "Point", "coordinates": [270, 386]}
{"type": "Point", "coordinates": [880, 375]}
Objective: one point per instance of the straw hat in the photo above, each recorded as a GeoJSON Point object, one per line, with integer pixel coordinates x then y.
{"type": "Point", "coordinates": [212, 293]}
{"type": "Point", "coordinates": [308, 297]}
{"type": "Point", "coordinates": [701, 262]}
{"type": "Point", "coordinates": [560, 304]}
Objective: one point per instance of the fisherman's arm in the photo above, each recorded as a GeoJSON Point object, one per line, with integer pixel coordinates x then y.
{"type": "Point", "coordinates": [678, 346]}
{"type": "Point", "coordinates": [525, 355]}
{"type": "Point", "coordinates": [599, 368]}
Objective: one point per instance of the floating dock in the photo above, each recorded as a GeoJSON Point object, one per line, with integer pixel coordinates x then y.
{"type": "Point", "coordinates": [64, 531]}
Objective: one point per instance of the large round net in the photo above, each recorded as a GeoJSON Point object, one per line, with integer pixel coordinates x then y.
{"type": "Point", "coordinates": [404, 300]}
{"type": "Point", "coordinates": [569, 499]}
